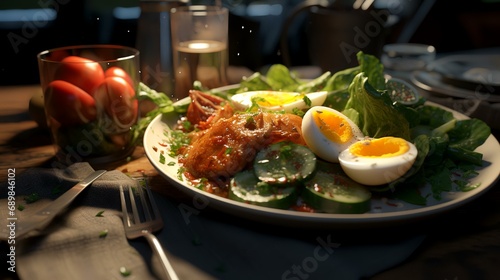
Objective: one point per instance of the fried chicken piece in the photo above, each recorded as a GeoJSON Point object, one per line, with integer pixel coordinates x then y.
{"type": "Point", "coordinates": [230, 144]}
{"type": "Point", "coordinates": [206, 109]}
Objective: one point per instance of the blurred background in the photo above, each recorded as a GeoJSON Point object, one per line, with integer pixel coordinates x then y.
{"type": "Point", "coordinates": [259, 30]}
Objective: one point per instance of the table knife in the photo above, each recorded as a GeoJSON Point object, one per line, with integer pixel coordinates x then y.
{"type": "Point", "coordinates": [42, 218]}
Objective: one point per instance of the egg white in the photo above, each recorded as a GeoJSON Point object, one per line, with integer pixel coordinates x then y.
{"type": "Point", "coordinates": [377, 170]}
{"type": "Point", "coordinates": [319, 143]}
{"type": "Point", "coordinates": [243, 101]}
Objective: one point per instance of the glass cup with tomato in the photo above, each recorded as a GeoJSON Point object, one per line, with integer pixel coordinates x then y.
{"type": "Point", "coordinates": [90, 101]}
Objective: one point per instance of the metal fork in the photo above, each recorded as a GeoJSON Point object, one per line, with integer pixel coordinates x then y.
{"type": "Point", "coordinates": [142, 218]}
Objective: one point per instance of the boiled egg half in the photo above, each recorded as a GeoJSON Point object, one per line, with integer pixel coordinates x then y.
{"type": "Point", "coordinates": [327, 132]}
{"type": "Point", "coordinates": [378, 161]}
{"type": "Point", "coordinates": [278, 100]}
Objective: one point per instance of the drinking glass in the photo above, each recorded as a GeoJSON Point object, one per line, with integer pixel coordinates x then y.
{"type": "Point", "coordinates": [90, 101]}
{"type": "Point", "coordinates": [199, 44]}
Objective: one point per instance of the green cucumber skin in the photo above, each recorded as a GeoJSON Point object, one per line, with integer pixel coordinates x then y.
{"type": "Point", "coordinates": [246, 182]}
{"type": "Point", "coordinates": [316, 201]}
{"type": "Point", "coordinates": [327, 181]}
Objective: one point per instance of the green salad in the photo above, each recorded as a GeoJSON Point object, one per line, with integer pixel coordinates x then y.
{"type": "Point", "coordinates": [446, 146]}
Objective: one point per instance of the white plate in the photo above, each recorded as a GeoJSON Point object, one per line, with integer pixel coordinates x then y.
{"type": "Point", "coordinates": [382, 213]}
{"type": "Point", "coordinates": [476, 69]}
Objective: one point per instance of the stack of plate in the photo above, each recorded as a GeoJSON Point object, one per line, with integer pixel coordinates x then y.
{"type": "Point", "coordinates": [469, 84]}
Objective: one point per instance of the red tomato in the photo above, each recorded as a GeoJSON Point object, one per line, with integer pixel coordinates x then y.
{"type": "Point", "coordinates": [83, 73]}
{"type": "Point", "coordinates": [117, 98]}
{"type": "Point", "coordinates": [116, 71]}
{"type": "Point", "coordinates": [69, 104]}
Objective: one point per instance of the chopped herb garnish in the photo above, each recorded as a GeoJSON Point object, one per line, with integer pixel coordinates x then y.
{"type": "Point", "coordinates": [99, 214]}
{"type": "Point", "coordinates": [250, 123]}
{"type": "Point", "coordinates": [187, 125]}
{"type": "Point", "coordinates": [307, 100]}
{"type": "Point", "coordinates": [162, 159]}
{"type": "Point", "coordinates": [201, 185]}
{"type": "Point", "coordinates": [103, 233]}
{"type": "Point", "coordinates": [180, 171]}
{"type": "Point", "coordinates": [125, 272]}
{"type": "Point", "coordinates": [178, 139]}
{"type": "Point", "coordinates": [172, 163]}
{"type": "Point", "coordinates": [298, 112]}
{"type": "Point", "coordinates": [258, 99]}
{"type": "Point", "coordinates": [285, 151]}
{"type": "Point", "coordinates": [228, 151]}
{"type": "Point", "coordinates": [32, 198]}
{"type": "Point", "coordinates": [255, 103]}
{"type": "Point", "coordinates": [250, 120]}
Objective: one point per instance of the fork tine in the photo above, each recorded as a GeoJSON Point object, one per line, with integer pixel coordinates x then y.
{"type": "Point", "coordinates": [133, 205]}
{"type": "Point", "coordinates": [145, 205]}
{"type": "Point", "coordinates": [156, 210]}
{"type": "Point", "coordinates": [124, 206]}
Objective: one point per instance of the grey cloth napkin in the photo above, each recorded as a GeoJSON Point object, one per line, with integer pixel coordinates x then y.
{"type": "Point", "coordinates": [72, 246]}
{"type": "Point", "coordinates": [199, 245]}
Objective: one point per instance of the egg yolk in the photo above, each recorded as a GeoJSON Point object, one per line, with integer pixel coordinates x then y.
{"type": "Point", "coordinates": [334, 127]}
{"type": "Point", "coordinates": [382, 147]}
{"type": "Point", "coordinates": [269, 100]}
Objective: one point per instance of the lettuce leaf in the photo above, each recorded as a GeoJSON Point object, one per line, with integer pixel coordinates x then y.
{"type": "Point", "coordinates": [279, 78]}
{"type": "Point", "coordinates": [368, 64]}
{"type": "Point", "coordinates": [255, 82]}
{"type": "Point", "coordinates": [377, 115]}
{"type": "Point", "coordinates": [462, 136]}
{"type": "Point", "coordinates": [469, 134]}
{"type": "Point", "coordinates": [373, 69]}
{"type": "Point", "coordinates": [342, 79]}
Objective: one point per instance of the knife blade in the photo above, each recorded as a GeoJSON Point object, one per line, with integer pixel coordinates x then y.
{"type": "Point", "coordinates": [42, 218]}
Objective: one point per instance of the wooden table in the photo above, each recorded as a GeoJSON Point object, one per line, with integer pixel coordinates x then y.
{"type": "Point", "coordinates": [463, 244]}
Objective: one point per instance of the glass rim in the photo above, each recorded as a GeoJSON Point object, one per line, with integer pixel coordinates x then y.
{"type": "Point", "coordinates": [199, 10]}
{"type": "Point", "coordinates": [133, 52]}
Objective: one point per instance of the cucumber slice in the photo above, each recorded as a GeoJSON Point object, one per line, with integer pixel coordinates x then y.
{"type": "Point", "coordinates": [335, 193]}
{"type": "Point", "coordinates": [245, 187]}
{"type": "Point", "coordinates": [284, 162]}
